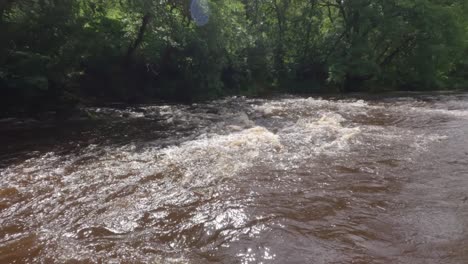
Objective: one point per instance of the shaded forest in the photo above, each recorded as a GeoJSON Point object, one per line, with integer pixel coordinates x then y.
{"type": "Point", "coordinates": [58, 54]}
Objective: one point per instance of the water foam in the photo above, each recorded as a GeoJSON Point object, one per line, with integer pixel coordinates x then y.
{"type": "Point", "coordinates": [310, 137]}
{"type": "Point", "coordinates": [220, 156]}
{"type": "Point", "coordinates": [165, 190]}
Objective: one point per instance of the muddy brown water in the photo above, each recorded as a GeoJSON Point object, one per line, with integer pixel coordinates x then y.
{"type": "Point", "coordinates": [285, 180]}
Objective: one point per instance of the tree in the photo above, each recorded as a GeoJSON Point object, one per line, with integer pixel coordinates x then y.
{"type": "Point", "coordinates": [60, 53]}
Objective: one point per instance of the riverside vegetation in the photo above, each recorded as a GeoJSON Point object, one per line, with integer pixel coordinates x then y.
{"type": "Point", "coordinates": [57, 54]}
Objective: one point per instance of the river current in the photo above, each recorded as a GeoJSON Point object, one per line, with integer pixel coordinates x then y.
{"type": "Point", "coordinates": [357, 179]}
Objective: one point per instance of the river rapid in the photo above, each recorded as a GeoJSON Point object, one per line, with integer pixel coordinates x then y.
{"type": "Point", "coordinates": [287, 180]}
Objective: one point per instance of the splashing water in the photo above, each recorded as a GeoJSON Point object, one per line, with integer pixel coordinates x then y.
{"type": "Point", "coordinates": [289, 180]}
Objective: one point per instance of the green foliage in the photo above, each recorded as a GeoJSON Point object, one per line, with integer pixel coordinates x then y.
{"type": "Point", "coordinates": [58, 53]}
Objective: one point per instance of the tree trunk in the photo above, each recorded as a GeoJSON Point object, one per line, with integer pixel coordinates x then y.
{"type": "Point", "coordinates": [279, 52]}
{"type": "Point", "coordinates": [141, 33]}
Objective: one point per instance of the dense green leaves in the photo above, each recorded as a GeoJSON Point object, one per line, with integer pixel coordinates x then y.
{"type": "Point", "coordinates": [58, 52]}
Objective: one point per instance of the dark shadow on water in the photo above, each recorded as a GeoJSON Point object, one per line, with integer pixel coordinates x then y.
{"type": "Point", "coordinates": [24, 140]}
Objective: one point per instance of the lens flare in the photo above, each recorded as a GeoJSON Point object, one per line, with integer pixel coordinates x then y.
{"type": "Point", "coordinates": [199, 10]}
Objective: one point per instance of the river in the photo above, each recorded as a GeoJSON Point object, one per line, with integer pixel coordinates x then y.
{"type": "Point", "coordinates": [358, 179]}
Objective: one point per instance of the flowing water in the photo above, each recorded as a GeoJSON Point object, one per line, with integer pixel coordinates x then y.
{"type": "Point", "coordinates": [285, 180]}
